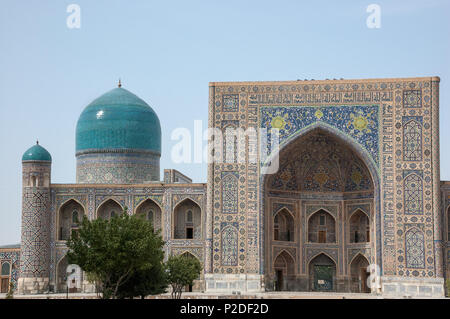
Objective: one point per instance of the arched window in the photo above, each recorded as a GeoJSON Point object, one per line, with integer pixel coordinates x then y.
{"type": "Point", "coordinates": [75, 219]}
{"type": "Point", "coordinates": [112, 214]}
{"type": "Point", "coordinates": [276, 228]}
{"type": "Point", "coordinates": [150, 216]}
{"type": "Point", "coordinates": [33, 181]}
{"type": "Point", "coordinates": [6, 269]}
{"type": "Point", "coordinates": [150, 211]}
{"type": "Point", "coordinates": [189, 216]}
{"type": "Point", "coordinates": [415, 248]}
{"type": "Point", "coordinates": [413, 192]}
{"type": "Point", "coordinates": [359, 227]}
{"type": "Point", "coordinates": [187, 220]}
{"type": "Point", "coordinates": [283, 226]}
{"type": "Point", "coordinates": [69, 217]}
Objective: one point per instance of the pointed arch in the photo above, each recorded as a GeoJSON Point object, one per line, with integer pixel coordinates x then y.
{"type": "Point", "coordinates": [182, 227]}
{"type": "Point", "coordinates": [357, 209]}
{"type": "Point", "coordinates": [147, 199]}
{"type": "Point", "coordinates": [322, 272]}
{"type": "Point", "coordinates": [359, 274]}
{"type": "Point", "coordinates": [283, 225]}
{"type": "Point", "coordinates": [287, 209]}
{"type": "Point", "coordinates": [321, 227]}
{"type": "Point", "coordinates": [108, 207]}
{"type": "Point", "coordinates": [359, 151]}
{"type": "Point", "coordinates": [149, 209]}
{"type": "Point", "coordinates": [188, 198]}
{"type": "Point", "coordinates": [359, 254]}
{"type": "Point", "coordinates": [284, 252]}
{"type": "Point", "coordinates": [65, 222]}
{"type": "Point", "coordinates": [6, 268]}
{"type": "Point", "coordinates": [359, 227]}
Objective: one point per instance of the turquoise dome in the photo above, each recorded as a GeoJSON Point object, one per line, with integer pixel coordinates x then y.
{"type": "Point", "coordinates": [118, 120]}
{"type": "Point", "coordinates": [36, 153]}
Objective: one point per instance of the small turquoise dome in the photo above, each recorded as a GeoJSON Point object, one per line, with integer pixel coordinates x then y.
{"type": "Point", "coordinates": [118, 120]}
{"type": "Point", "coordinates": [36, 153]}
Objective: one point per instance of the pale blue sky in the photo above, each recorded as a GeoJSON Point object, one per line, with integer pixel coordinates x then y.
{"type": "Point", "coordinates": [166, 52]}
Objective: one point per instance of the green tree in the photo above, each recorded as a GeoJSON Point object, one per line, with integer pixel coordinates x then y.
{"type": "Point", "coordinates": [112, 251]}
{"type": "Point", "coordinates": [182, 271]}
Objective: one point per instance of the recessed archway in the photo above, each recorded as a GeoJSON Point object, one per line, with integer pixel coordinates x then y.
{"type": "Point", "coordinates": [283, 226]}
{"type": "Point", "coordinates": [70, 216]}
{"type": "Point", "coordinates": [359, 227]}
{"type": "Point", "coordinates": [284, 267]}
{"type": "Point", "coordinates": [321, 227]}
{"type": "Point", "coordinates": [187, 218]}
{"type": "Point", "coordinates": [150, 211]}
{"type": "Point", "coordinates": [322, 273]}
{"type": "Point", "coordinates": [109, 209]}
{"type": "Point", "coordinates": [359, 274]}
{"type": "Point", "coordinates": [321, 174]}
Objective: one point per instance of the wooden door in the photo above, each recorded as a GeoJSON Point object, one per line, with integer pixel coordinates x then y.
{"type": "Point", "coordinates": [364, 275]}
{"type": "Point", "coordinates": [4, 285]}
{"type": "Point", "coordinates": [279, 285]}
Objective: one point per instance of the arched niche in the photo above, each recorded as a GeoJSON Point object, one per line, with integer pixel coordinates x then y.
{"type": "Point", "coordinates": [321, 227]}
{"type": "Point", "coordinates": [283, 226]}
{"type": "Point", "coordinates": [322, 273]}
{"type": "Point", "coordinates": [150, 211]}
{"type": "Point", "coordinates": [359, 274]}
{"type": "Point", "coordinates": [284, 269]}
{"type": "Point", "coordinates": [187, 220]}
{"type": "Point", "coordinates": [359, 227]}
{"type": "Point", "coordinates": [70, 216]}
{"type": "Point", "coordinates": [109, 209]}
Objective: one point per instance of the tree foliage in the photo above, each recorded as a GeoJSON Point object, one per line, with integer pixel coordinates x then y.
{"type": "Point", "coordinates": [182, 270]}
{"type": "Point", "coordinates": [116, 251]}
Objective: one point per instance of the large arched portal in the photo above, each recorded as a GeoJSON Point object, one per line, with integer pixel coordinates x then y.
{"type": "Point", "coordinates": [328, 190]}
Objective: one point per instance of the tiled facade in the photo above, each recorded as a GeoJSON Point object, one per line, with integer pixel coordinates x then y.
{"type": "Point", "coordinates": [391, 125]}
{"type": "Point", "coordinates": [358, 184]}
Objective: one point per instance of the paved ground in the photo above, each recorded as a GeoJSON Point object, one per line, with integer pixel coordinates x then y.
{"type": "Point", "coordinates": [194, 295]}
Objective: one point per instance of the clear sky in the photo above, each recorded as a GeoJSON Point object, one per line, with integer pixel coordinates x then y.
{"type": "Point", "coordinates": [166, 52]}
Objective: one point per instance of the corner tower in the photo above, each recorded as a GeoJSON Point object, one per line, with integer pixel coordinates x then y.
{"type": "Point", "coordinates": [35, 242]}
{"type": "Point", "coordinates": [118, 140]}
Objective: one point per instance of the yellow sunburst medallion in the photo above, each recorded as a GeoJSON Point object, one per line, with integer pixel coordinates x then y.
{"type": "Point", "coordinates": [278, 122]}
{"type": "Point", "coordinates": [360, 123]}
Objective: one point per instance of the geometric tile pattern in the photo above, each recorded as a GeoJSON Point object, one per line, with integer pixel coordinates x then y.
{"type": "Point", "coordinates": [34, 254]}
{"type": "Point", "coordinates": [413, 191]}
{"type": "Point", "coordinates": [415, 249]}
{"type": "Point", "coordinates": [230, 102]}
{"type": "Point", "coordinates": [412, 98]}
{"type": "Point", "coordinates": [412, 139]}
{"type": "Point", "coordinates": [230, 192]}
{"type": "Point", "coordinates": [229, 246]}
{"type": "Point", "coordinates": [360, 122]}
{"type": "Point", "coordinates": [391, 124]}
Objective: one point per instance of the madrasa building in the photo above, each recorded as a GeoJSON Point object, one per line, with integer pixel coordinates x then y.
{"type": "Point", "coordinates": [357, 184]}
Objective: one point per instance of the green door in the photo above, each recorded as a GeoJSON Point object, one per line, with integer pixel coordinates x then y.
{"type": "Point", "coordinates": [323, 278]}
